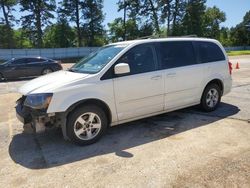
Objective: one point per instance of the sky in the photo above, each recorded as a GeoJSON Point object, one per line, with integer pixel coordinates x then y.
{"type": "Point", "coordinates": [234, 9]}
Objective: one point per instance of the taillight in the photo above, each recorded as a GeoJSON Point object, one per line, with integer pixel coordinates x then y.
{"type": "Point", "coordinates": [230, 67]}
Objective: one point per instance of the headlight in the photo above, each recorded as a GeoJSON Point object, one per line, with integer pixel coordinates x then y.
{"type": "Point", "coordinates": [38, 101]}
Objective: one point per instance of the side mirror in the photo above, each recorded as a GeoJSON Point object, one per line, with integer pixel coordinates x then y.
{"type": "Point", "coordinates": [122, 68]}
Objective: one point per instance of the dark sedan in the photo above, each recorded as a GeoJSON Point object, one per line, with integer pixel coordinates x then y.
{"type": "Point", "coordinates": [28, 67]}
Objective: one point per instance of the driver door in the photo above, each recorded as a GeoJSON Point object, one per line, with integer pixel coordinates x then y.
{"type": "Point", "coordinates": [141, 92]}
{"type": "Point", "coordinates": [15, 69]}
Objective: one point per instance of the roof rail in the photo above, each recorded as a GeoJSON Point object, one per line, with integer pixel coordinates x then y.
{"type": "Point", "coordinates": [161, 36]}
{"type": "Point", "coordinates": [189, 36]}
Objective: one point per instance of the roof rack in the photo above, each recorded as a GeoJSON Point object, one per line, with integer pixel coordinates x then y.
{"type": "Point", "coordinates": [161, 36]}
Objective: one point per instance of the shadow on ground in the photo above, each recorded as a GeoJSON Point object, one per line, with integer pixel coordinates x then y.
{"type": "Point", "coordinates": [17, 79]}
{"type": "Point", "coordinates": [49, 149]}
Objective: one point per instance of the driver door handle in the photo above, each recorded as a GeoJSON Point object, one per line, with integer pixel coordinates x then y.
{"type": "Point", "coordinates": [156, 77]}
{"type": "Point", "coordinates": [171, 74]}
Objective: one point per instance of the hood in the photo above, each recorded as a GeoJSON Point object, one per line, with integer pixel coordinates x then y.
{"type": "Point", "coordinates": [48, 83]}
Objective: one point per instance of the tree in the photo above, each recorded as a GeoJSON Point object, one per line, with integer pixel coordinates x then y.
{"type": "Point", "coordinates": [71, 9]}
{"type": "Point", "coordinates": [178, 14]}
{"type": "Point", "coordinates": [131, 9]}
{"type": "Point", "coordinates": [59, 35]}
{"type": "Point", "coordinates": [93, 15]}
{"type": "Point", "coordinates": [166, 12]}
{"type": "Point", "coordinates": [134, 31]}
{"type": "Point", "coordinates": [142, 11]}
{"type": "Point", "coordinates": [116, 29]}
{"type": "Point", "coordinates": [150, 9]}
{"type": "Point", "coordinates": [21, 39]}
{"type": "Point", "coordinates": [225, 38]}
{"type": "Point", "coordinates": [7, 7]}
{"type": "Point", "coordinates": [40, 13]}
{"type": "Point", "coordinates": [240, 35]}
{"type": "Point", "coordinates": [212, 19]}
{"type": "Point", "coordinates": [194, 17]}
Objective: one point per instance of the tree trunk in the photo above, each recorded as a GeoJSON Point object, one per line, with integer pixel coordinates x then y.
{"type": "Point", "coordinates": [92, 32]}
{"type": "Point", "coordinates": [78, 28]}
{"type": "Point", "coordinates": [169, 17]}
{"type": "Point", "coordinates": [155, 16]}
{"type": "Point", "coordinates": [6, 19]}
{"type": "Point", "coordinates": [176, 7]}
{"type": "Point", "coordinates": [38, 25]}
{"type": "Point", "coordinates": [124, 20]}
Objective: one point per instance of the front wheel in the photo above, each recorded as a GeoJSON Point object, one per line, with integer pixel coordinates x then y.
{"type": "Point", "coordinates": [211, 98]}
{"type": "Point", "coordinates": [86, 125]}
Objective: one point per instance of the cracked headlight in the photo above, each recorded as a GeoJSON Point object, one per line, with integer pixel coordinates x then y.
{"type": "Point", "coordinates": [38, 101]}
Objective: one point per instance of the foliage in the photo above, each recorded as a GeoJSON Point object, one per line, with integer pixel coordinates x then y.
{"type": "Point", "coordinates": [6, 34]}
{"type": "Point", "coordinates": [93, 15]}
{"type": "Point", "coordinates": [193, 21]}
{"type": "Point", "coordinates": [59, 35]}
{"type": "Point", "coordinates": [240, 34]}
{"type": "Point", "coordinates": [71, 9]}
{"type": "Point", "coordinates": [40, 13]}
{"type": "Point", "coordinates": [6, 6]}
{"type": "Point", "coordinates": [80, 22]}
{"type": "Point", "coordinates": [212, 19]}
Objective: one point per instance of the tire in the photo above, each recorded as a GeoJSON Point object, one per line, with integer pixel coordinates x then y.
{"type": "Point", "coordinates": [47, 71]}
{"type": "Point", "coordinates": [86, 125]}
{"type": "Point", "coordinates": [1, 77]}
{"type": "Point", "coordinates": [211, 97]}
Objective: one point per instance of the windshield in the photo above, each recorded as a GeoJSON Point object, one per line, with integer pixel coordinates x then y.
{"type": "Point", "coordinates": [94, 62]}
{"type": "Point", "coordinates": [9, 61]}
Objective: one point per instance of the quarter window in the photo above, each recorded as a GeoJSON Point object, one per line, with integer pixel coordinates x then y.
{"type": "Point", "coordinates": [209, 52]}
{"type": "Point", "coordinates": [176, 54]}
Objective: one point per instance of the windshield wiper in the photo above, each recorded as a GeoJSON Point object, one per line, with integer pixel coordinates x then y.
{"type": "Point", "coordinates": [71, 70]}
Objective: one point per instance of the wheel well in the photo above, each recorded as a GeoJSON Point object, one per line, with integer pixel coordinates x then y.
{"type": "Point", "coordinates": [217, 82]}
{"type": "Point", "coordinates": [96, 102]}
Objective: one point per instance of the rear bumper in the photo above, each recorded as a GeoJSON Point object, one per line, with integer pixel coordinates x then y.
{"type": "Point", "coordinates": [227, 85]}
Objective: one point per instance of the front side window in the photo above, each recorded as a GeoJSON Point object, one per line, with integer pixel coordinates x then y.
{"type": "Point", "coordinates": [19, 61]}
{"type": "Point", "coordinates": [97, 60]}
{"type": "Point", "coordinates": [140, 59]}
{"type": "Point", "coordinates": [35, 60]}
{"type": "Point", "coordinates": [209, 52]}
{"type": "Point", "coordinates": [176, 54]}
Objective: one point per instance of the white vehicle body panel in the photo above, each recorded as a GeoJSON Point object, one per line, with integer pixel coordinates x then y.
{"type": "Point", "coordinates": [139, 94]}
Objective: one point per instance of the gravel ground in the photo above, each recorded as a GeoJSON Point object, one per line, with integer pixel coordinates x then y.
{"type": "Point", "coordinates": [185, 148]}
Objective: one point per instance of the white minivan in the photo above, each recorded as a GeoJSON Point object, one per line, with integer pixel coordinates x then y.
{"type": "Point", "coordinates": [126, 81]}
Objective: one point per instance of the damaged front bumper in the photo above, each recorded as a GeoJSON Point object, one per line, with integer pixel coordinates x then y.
{"type": "Point", "coordinates": [39, 119]}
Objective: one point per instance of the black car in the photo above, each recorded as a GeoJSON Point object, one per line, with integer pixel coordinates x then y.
{"type": "Point", "coordinates": [28, 67]}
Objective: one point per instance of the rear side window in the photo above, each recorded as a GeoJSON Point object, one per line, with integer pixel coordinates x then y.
{"type": "Point", "coordinates": [209, 52]}
{"type": "Point", "coordinates": [176, 54]}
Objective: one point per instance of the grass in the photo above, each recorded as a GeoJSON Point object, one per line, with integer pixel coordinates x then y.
{"type": "Point", "coordinates": [239, 52]}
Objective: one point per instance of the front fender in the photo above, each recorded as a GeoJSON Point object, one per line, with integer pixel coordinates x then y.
{"type": "Point", "coordinates": [63, 99]}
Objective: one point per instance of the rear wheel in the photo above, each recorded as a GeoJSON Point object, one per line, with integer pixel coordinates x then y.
{"type": "Point", "coordinates": [1, 77]}
{"type": "Point", "coordinates": [86, 125]}
{"type": "Point", "coordinates": [47, 71]}
{"type": "Point", "coordinates": [211, 98]}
